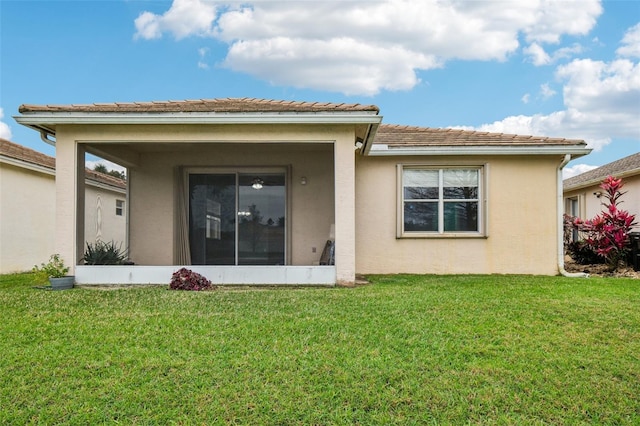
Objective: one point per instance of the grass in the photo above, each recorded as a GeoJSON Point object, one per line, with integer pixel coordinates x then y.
{"type": "Point", "coordinates": [403, 350]}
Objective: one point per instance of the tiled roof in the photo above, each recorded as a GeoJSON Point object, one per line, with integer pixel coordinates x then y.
{"type": "Point", "coordinates": [411, 136]}
{"type": "Point", "coordinates": [104, 178]}
{"type": "Point", "coordinates": [615, 168]}
{"type": "Point", "coordinates": [19, 152]}
{"type": "Point", "coordinates": [22, 153]}
{"type": "Point", "coordinates": [228, 105]}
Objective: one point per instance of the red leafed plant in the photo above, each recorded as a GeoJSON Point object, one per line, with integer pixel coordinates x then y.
{"type": "Point", "coordinates": [608, 233]}
{"type": "Point", "coordinates": [186, 279]}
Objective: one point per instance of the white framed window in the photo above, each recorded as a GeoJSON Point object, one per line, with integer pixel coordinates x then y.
{"type": "Point", "coordinates": [440, 201]}
{"type": "Point", "coordinates": [119, 207]}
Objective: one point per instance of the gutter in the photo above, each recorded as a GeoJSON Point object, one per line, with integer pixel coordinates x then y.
{"type": "Point", "coordinates": [38, 121]}
{"type": "Point", "coordinates": [44, 135]}
{"type": "Point", "coordinates": [559, 205]}
{"type": "Point", "coordinates": [44, 131]}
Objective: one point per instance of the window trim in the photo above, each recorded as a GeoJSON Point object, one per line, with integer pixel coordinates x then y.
{"type": "Point", "coordinates": [483, 206]}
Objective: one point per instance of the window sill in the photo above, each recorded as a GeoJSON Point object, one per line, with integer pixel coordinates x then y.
{"type": "Point", "coordinates": [433, 235]}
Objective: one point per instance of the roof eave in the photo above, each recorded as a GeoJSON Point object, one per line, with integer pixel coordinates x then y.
{"type": "Point", "coordinates": [598, 180]}
{"type": "Point", "coordinates": [575, 151]}
{"type": "Point", "coordinates": [49, 120]}
{"type": "Point", "coordinates": [27, 165]}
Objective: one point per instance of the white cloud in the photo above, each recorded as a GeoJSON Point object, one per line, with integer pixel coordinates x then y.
{"type": "Point", "coordinates": [552, 19]}
{"type": "Point", "coordinates": [203, 52]}
{"type": "Point", "coordinates": [546, 92]}
{"type": "Point", "coordinates": [601, 100]}
{"type": "Point", "coordinates": [525, 98]}
{"type": "Point", "coordinates": [631, 43]}
{"type": "Point", "coordinates": [605, 94]}
{"type": "Point", "coordinates": [539, 56]}
{"type": "Point", "coordinates": [567, 52]}
{"type": "Point", "coordinates": [576, 170]}
{"type": "Point", "coordinates": [569, 124]}
{"type": "Point", "coordinates": [5, 130]}
{"type": "Point", "coordinates": [307, 63]}
{"type": "Point", "coordinates": [362, 47]}
{"type": "Point", "coordinates": [184, 18]}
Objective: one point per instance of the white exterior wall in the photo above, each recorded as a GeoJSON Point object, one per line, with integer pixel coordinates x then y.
{"type": "Point", "coordinates": [101, 221]}
{"type": "Point", "coordinates": [27, 216]}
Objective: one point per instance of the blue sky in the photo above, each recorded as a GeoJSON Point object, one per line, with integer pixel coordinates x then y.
{"type": "Point", "coordinates": [555, 68]}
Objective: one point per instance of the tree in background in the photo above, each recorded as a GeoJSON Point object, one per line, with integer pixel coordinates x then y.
{"type": "Point", "coordinates": [101, 168]}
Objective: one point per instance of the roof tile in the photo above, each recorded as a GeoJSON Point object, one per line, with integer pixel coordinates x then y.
{"type": "Point", "coordinates": [227, 105]}
{"type": "Point", "coordinates": [22, 153]}
{"type": "Point", "coordinates": [396, 136]}
{"type": "Point", "coordinates": [615, 168]}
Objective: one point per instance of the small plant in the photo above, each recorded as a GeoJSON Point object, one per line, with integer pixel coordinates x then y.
{"type": "Point", "coordinates": [186, 279]}
{"type": "Point", "coordinates": [583, 254]}
{"type": "Point", "coordinates": [102, 253]}
{"type": "Point", "coordinates": [55, 268]}
{"type": "Point", "coordinates": [607, 234]}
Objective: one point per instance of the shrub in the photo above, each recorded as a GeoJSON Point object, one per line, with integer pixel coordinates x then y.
{"type": "Point", "coordinates": [607, 234]}
{"type": "Point", "coordinates": [186, 279]}
{"type": "Point", "coordinates": [583, 254]}
{"type": "Point", "coordinates": [102, 253]}
{"type": "Point", "coordinates": [55, 268]}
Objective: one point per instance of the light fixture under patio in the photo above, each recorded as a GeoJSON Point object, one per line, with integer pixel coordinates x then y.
{"type": "Point", "coordinates": [257, 183]}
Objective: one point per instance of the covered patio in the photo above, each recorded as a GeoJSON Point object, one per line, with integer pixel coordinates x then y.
{"type": "Point", "coordinates": [243, 191]}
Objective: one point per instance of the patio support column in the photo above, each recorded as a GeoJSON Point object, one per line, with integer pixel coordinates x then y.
{"type": "Point", "coordinates": [69, 212]}
{"type": "Point", "coordinates": [345, 194]}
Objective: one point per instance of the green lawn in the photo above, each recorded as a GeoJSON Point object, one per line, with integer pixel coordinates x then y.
{"type": "Point", "coordinates": [403, 350]}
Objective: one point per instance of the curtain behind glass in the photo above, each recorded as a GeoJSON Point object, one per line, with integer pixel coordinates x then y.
{"type": "Point", "coordinates": [183, 253]}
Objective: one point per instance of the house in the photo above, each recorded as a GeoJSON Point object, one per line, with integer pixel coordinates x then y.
{"type": "Point", "coordinates": [583, 195]}
{"type": "Point", "coordinates": [248, 191]}
{"type": "Point", "coordinates": [28, 207]}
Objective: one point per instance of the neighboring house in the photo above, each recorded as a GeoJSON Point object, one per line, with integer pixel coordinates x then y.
{"type": "Point", "coordinates": [28, 207]}
{"type": "Point", "coordinates": [249, 191]}
{"type": "Point", "coordinates": [583, 195]}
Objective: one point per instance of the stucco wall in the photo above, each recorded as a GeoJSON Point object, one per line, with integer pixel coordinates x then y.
{"type": "Point", "coordinates": [311, 209]}
{"type": "Point", "coordinates": [27, 217]}
{"type": "Point", "coordinates": [590, 205]}
{"type": "Point", "coordinates": [521, 219]}
{"type": "Point", "coordinates": [151, 153]}
{"type": "Point", "coordinates": [522, 222]}
{"type": "Point", "coordinates": [101, 221]}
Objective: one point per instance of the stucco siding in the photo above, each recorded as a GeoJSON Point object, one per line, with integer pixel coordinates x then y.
{"type": "Point", "coordinates": [27, 218]}
{"type": "Point", "coordinates": [521, 218]}
{"type": "Point", "coordinates": [28, 215]}
{"type": "Point", "coordinates": [101, 221]}
{"type": "Point", "coordinates": [152, 154]}
{"type": "Point", "coordinates": [311, 206]}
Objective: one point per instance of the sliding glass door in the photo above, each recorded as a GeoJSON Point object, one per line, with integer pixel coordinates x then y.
{"type": "Point", "coordinates": [237, 218]}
